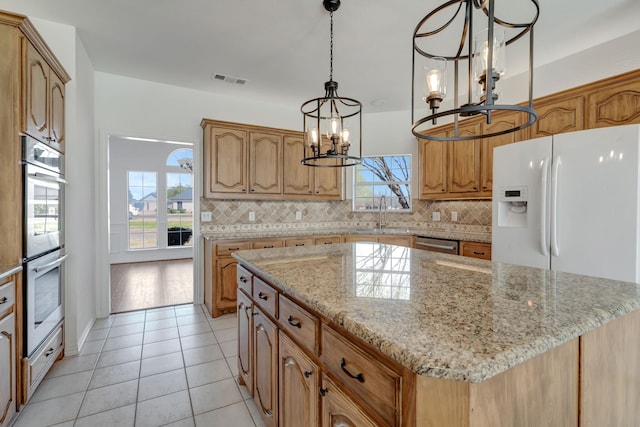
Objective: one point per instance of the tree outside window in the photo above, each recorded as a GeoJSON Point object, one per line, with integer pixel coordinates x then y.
{"type": "Point", "coordinates": [388, 176]}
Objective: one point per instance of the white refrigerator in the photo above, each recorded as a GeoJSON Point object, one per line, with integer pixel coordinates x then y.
{"type": "Point", "coordinates": [570, 203]}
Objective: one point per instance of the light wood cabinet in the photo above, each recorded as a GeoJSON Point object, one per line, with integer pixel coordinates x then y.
{"type": "Point", "coordinates": [328, 240]}
{"type": "Point", "coordinates": [225, 155]}
{"type": "Point", "coordinates": [44, 94]}
{"type": "Point", "coordinates": [265, 367]}
{"type": "Point", "coordinates": [468, 164]}
{"type": "Point", "coordinates": [388, 239]}
{"type": "Point", "coordinates": [260, 163]}
{"type": "Point", "coordinates": [475, 249]}
{"type": "Point", "coordinates": [8, 365]}
{"type": "Point", "coordinates": [298, 386]}
{"type": "Point", "coordinates": [265, 163]}
{"type": "Point", "coordinates": [245, 341]}
{"type": "Point", "coordinates": [339, 410]}
{"type": "Point", "coordinates": [220, 275]}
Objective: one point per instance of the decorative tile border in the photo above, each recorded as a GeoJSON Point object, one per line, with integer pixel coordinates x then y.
{"type": "Point", "coordinates": [473, 216]}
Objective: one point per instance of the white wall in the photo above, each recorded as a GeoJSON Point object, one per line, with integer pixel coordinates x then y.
{"type": "Point", "coordinates": [80, 310]}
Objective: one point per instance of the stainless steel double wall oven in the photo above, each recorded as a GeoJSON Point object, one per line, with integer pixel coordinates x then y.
{"type": "Point", "coordinates": [44, 254]}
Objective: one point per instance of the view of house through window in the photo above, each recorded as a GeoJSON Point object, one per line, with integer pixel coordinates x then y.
{"type": "Point", "coordinates": [143, 209]}
{"type": "Point", "coordinates": [176, 191]}
{"type": "Point", "coordinates": [378, 176]}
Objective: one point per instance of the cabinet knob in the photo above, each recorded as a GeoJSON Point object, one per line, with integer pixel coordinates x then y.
{"type": "Point", "coordinates": [3, 300]}
{"type": "Point", "coordinates": [253, 189]}
{"type": "Point", "coordinates": [323, 391]}
{"type": "Point", "coordinates": [263, 296]}
{"type": "Point", "coordinates": [307, 374]}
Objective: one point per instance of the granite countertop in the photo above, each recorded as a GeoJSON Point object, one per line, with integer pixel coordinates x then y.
{"type": "Point", "coordinates": [8, 270]}
{"type": "Point", "coordinates": [439, 315]}
{"type": "Point", "coordinates": [453, 234]}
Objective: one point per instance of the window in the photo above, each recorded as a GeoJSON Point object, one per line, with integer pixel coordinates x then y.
{"type": "Point", "coordinates": [143, 209]}
{"type": "Point", "coordinates": [180, 198]}
{"type": "Point", "coordinates": [377, 176]}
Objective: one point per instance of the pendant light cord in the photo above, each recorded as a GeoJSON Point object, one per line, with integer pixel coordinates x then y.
{"type": "Point", "coordinates": [331, 50]}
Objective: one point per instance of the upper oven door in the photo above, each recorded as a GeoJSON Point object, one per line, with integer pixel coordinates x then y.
{"type": "Point", "coordinates": [43, 203]}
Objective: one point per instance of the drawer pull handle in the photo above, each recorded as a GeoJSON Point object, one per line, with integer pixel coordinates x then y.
{"type": "Point", "coordinates": [243, 279]}
{"type": "Point", "coordinates": [323, 391]}
{"type": "Point", "coordinates": [299, 244]}
{"type": "Point", "coordinates": [307, 374]}
{"type": "Point", "coordinates": [233, 249]}
{"type": "Point", "coordinates": [327, 243]}
{"type": "Point", "coordinates": [3, 300]}
{"type": "Point", "coordinates": [263, 296]}
{"type": "Point", "coordinates": [255, 313]}
{"type": "Point", "coordinates": [294, 323]}
{"type": "Point", "coordinates": [343, 365]}
{"type": "Point", "coordinates": [49, 352]}
{"type": "Point", "coordinates": [268, 246]}
{"type": "Point", "coordinates": [478, 253]}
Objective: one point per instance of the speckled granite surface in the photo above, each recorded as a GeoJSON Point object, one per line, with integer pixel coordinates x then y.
{"type": "Point", "coordinates": [441, 315]}
{"type": "Point", "coordinates": [241, 233]}
{"type": "Point", "coordinates": [8, 270]}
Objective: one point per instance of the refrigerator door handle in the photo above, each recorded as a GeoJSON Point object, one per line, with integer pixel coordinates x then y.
{"type": "Point", "coordinates": [555, 250]}
{"type": "Point", "coordinates": [544, 230]}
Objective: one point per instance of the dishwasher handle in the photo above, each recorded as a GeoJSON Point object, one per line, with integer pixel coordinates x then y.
{"type": "Point", "coordinates": [431, 245]}
{"type": "Point", "coordinates": [437, 245]}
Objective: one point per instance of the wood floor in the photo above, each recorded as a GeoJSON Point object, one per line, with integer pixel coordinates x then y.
{"type": "Point", "coordinates": [143, 285]}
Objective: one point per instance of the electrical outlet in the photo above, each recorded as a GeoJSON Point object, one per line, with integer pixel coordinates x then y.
{"type": "Point", "coordinates": [298, 215]}
{"type": "Point", "coordinates": [435, 216]}
{"type": "Point", "coordinates": [205, 216]}
{"type": "Point", "coordinates": [454, 216]}
{"type": "Point", "coordinates": [252, 216]}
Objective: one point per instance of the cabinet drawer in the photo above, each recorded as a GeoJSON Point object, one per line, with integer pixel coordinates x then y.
{"type": "Point", "coordinates": [265, 296]}
{"type": "Point", "coordinates": [367, 378]}
{"type": "Point", "coordinates": [299, 241]}
{"type": "Point", "coordinates": [7, 296]}
{"type": "Point", "coordinates": [476, 250]}
{"type": "Point", "coordinates": [245, 279]}
{"type": "Point", "coordinates": [267, 243]}
{"type": "Point", "coordinates": [299, 323]}
{"type": "Point", "coordinates": [328, 240]}
{"type": "Point", "coordinates": [227, 248]}
{"type": "Point", "coordinates": [43, 358]}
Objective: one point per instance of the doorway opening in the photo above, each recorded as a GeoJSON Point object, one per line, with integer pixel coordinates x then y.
{"type": "Point", "coordinates": [151, 224]}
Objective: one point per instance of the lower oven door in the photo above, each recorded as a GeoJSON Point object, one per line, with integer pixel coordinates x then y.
{"type": "Point", "coordinates": [44, 297]}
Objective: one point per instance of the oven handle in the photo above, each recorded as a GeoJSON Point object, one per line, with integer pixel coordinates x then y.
{"type": "Point", "coordinates": [51, 264]}
{"type": "Point", "coordinates": [49, 178]}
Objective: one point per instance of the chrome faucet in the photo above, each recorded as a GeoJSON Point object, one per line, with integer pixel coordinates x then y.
{"type": "Point", "coordinates": [382, 215]}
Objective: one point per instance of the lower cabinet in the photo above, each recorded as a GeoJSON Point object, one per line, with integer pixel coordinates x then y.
{"type": "Point", "coordinates": [475, 249]}
{"type": "Point", "coordinates": [338, 410]}
{"type": "Point", "coordinates": [265, 367]}
{"type": "Point", "coordinates": [298, 386]}
{"type": "Point", "coordinates": [7, 368]}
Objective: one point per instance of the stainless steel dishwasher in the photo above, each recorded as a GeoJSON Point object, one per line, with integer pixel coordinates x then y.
{"type": "Point", "coordinates": [437, 245]}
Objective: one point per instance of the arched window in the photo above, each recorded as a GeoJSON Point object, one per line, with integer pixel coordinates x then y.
{"type": "Point", "coordinates": [182, 157]}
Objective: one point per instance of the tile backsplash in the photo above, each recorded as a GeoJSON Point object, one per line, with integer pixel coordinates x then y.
{"type": "Point", "coordinates": [472, 214]}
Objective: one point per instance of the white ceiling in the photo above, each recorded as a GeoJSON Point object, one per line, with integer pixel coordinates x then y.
{"type": "Point", "coordinates": [282, 47]}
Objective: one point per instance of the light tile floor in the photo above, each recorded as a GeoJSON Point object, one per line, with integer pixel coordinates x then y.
{"type": "Point", "coordinates": [172, 366]}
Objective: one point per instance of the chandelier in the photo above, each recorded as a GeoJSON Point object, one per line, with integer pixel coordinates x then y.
{"type": "Point", "coordinates": [477, 50]}
{"type": "Point", "coordinates": [331, 124]}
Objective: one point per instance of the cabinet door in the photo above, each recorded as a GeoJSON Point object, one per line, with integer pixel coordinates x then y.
{"type": "Point", "coordinates": [396, 240]}
{"type": "Point", "coordinates": [350, 238]}
{"type": "Point", "coordinates": [300, 241]}
{"type": "Point", "coordinates": [298, 179]}
{"type": "Point", "coordinates": [265, 367]}
{"type": "Point", "coordinates": [298, 386]}
{"type": "Point", "coordinates": [265, 163]}
{"type": "Point", "coordinates": [558, 116]}
{"type": "Point", "coordinates": [327, 181]}
{"type": "Point", "coordinates": [225, 161]}
{"type": "Point", "coordinates": [433, 167]}
{"type": "Point", "coordinates": [338, 410]}
{"type": "Point", "coordinates": [616, 104]}
{"type": "Point", "coordinates": [56, 112]}
{"type": "Point", "coordinates": [245, 341]}
{"type": "Point", "coordinates": [36, 92]}
{"type": "Point", "coordinates": [498, 124]}
{"type": "Point", "coordinates": [464, 161]}
{"type": "Point", "coordinates": [8, 369]}
{"type": "Point", "coordinates": [226, 286]}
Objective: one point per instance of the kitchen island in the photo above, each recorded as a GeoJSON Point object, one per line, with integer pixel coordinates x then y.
{"type": "Point", "coordinates": [458, 341]}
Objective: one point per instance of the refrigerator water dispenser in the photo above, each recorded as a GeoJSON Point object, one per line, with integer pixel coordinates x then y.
{"type": "Point", "coordinates": [512, 207]}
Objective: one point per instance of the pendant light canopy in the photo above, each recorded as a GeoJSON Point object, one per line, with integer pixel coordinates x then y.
{"type": "Point", "coordinates": [332, 124]}
{"type": "Point", "coordinates": [479, 50]}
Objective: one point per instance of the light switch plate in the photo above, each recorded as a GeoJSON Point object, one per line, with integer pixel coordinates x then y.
{"type": "Point", "coordinates": [205, 216]}
{"type": "Point", "coordinates": [454, 216]}
{"type": "Point", "coordinates": [435, 216]}
{"type": "Point", "coordinates": [298, 215]}
{"type": "Point", "coordinates": [252, 216]}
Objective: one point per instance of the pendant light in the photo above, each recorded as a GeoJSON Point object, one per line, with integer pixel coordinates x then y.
{"type": "Point", "coordinates": [331, 124]}
{"type": "Point", "coordinates": [479, 49]}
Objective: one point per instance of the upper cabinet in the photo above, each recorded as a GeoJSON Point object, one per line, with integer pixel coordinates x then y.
{"type": "Point", "coordinates": [464, 169]}
{"type": "Point", "coordinates": [43, 99]}
{"type": "Point", "coordinates": [255, 162]}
